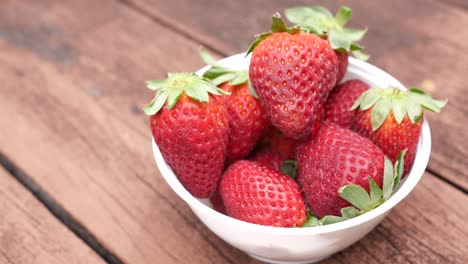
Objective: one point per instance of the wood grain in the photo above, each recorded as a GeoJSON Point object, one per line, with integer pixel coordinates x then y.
{"type": "Point", "coordinates": [30, 234]}
{"type": "Point", "coordinates": [79, 132]}
{"type": "Point", "coordinates": [419, 42]}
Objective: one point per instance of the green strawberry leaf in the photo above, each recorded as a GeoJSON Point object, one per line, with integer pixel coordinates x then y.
{"type": "Point", "coordinates": [194, 93]}
{"type": "Point", "coordinates": [399, 110]}
{"type": "Point", "coordinates": [416, 90]}
{"type": "Point", "coordinates": [218, 74]}
{"type": "Point", "coordinates": [331, 219]}
{"type": "Point", "coordinates": [259, 39]}
{"type": "Point", "coordinates": [388, 179]}
{"type": "Point", "coordinates": [426, 100]}
{"type": "Point", "coordinates": [207, 58]}
{"type": "Point", "coordinates": [356, 195]}
{"type": "Point", "coordinates": [155, 105]}
{"type": "Point", "coordinates": [314, 19]}
{"type": "Point", "coordinates": [401, 103]}
{"type": "Point", "coordinates": [441, 103]}
{"type": "Point", "coordinates": [367, 99]}
{"type": "Point", "coordinates": [226, 77]}
{"type": "Point", "coordinates": [289, 167]}
{"type": "Point", "coordinates": [414, 111]}
{"type": "Point", "coordinates": [155, 84]}
{"type": "Point", "coordinates": [349, 212]}
{"type": "Point", "coordinates": [320, 21]}
{"type": "Point", "coordinates": [277, 24]}
{"type": "Point", "coordinates": [311, 221]}
{"type": "Point", "coordinates": [242, 77]}
{"type": "Point", "coordinates": [398, 169]}
{"type": "Point", "coordinates": [375, 192]}
{"type": "Point", "coordinates": [345, 38]}
{"type": "Point", "coordinates": [358, 54]}
{"type": "Point", "coordinates": [301, 14]}
{"type": "Point", "coordinates": [176, 84]}
{"type": "Point", "coordinates": [252, 90]}
{"type": "Point", "coordinates": [343, 15]}
{"type": "Point", "coordinates": [380, 112]}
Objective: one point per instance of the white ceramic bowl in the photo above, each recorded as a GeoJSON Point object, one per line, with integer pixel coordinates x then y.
{"type": "Point", "coordinates": [301, 245]}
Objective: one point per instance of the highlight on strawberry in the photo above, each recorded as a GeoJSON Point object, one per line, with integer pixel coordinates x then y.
{"type": "Point", "coordinates": [320, 21]}
{"type": "Point", "coordinates": [392, 119]}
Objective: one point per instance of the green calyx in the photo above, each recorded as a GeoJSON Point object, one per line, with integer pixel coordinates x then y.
{"type": "Point", "coordinates": [361, 200]}
{"type": "Point", "coordinates": [170, 90]}
{"type": "Point", "coordinates": [277, 25]}
{"type": "Point", "coordinates": [400, 103]}
{"type": "Point", "coordinates": [320, 21]}
{"type": "Point", "coordinates": [219, 74]}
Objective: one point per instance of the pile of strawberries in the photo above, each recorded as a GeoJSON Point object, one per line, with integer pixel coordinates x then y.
{"type": "Point", "coordinates": [286, 143]}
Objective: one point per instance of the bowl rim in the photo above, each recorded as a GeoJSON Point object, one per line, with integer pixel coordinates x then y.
{"type": "Point", "coordinates": [407, 185]}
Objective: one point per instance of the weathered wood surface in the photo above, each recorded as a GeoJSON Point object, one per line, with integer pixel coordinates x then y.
{"type": "Point", "coordinates": [71, 94]}
{"type": "Point", "coordinates": [30, 234]}
{"type": "Point", "coordinates": [78, 130]}
{"type": "Point", "coordinates": [419, 42]}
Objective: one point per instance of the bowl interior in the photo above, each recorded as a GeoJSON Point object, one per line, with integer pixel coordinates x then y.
{"type": "Point", "coordinates": [356, 70]}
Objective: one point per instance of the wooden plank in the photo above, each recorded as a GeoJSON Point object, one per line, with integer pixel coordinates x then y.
{"type": "Point", "coordinates": [78, 130]}
{"type": "Point", "coordinates": [91, 145]}
{"type": "Point", "coordinates": [418, 42]}
{"type": "Point", "coordinates": [30, 234]}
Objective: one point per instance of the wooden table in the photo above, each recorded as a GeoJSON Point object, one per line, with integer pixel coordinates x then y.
{"type": "Point", "coordinates": [78, 183]}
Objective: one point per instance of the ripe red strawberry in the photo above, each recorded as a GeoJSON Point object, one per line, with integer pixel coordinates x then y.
{"type": "Point", "coordinates": [268, 157]}
{"type": "Point", "coordinates": [292, 73]}
{"type": "Point", "coordinates": [342, 57]}
{"type": "Point", "coordinates": [257, 194]}
{"type": "Point", "coordinates": [276, 140]}
{"type": "Point", "coordinates": [190, 129]}
{"type": "Point", "coordinates": [333, 158]}
{"type": "Point", "coordinates": [392, 119]}
{"type": "Point", "coordinates": [320, 21]}
{"type": "Point", "coordinates": [217, 201]}
{"type": "Point", "coordinates": [248, 120]}
{"type": "Point", "coordinates": [339, 102]}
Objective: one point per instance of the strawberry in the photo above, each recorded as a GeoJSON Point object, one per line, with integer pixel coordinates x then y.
{"type": "Point", "coordinates": [320, 21]}
{"type": "Point", "coordinates": [340, 100]}
{"type": "Point", "coordinates": [336, 157]}
{"type": "Point", "coordinates": [247, 119]}
{"type": "Point", "coordinates": [292, 73]}
{"type": "Point", "coordinates": [342, 57]}
{"type": "Point", "coordinates": [217, 201]}
{"type": "Point", "coordinates": [268, 157]}
{"type": "Point", "coordinates": [189, 125]}
{"type": "Point", "coordinates": [276, 140]}
{"type": "Point", "coordinates": [392, 119]}
{"type": "Point", "coordinates": [257, 194]}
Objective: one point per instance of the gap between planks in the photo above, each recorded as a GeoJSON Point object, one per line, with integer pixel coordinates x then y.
{"type": "Point", "coordinates": [58, 211]}
{"type": "Point", "coordinates": [448, 181]}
